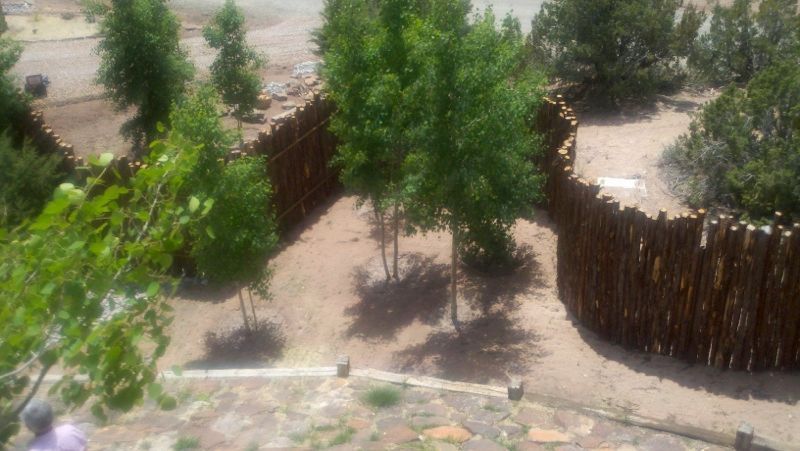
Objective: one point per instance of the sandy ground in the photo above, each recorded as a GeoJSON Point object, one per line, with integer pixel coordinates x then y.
{"type": "Point", "coordinates": [329, 300]}
{"type": "Point", "coordinates": [629, 144]}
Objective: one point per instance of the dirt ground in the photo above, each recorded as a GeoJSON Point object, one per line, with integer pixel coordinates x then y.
{"type": "Point", "coordinates": [628, 144]}
{"type": "Point", "coordinates": [328, 299]}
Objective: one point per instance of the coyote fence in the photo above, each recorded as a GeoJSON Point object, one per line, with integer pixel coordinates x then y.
{"type": "Point", "coordinates": [705, 290]}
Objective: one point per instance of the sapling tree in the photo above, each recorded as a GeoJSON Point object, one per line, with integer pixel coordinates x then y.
{"type": "Point", "coordinates": [368, 74]}
{"type": "Point", "coordinates": [234, 240]}
{"type": "Point", "coordinates": [234, 72]}
{"type": "Point", "coordinates": [84, 286]}
{"type": "Point", "coordinates": [472, 158]}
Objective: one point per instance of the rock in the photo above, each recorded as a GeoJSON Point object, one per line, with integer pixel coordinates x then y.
{"type": "Point", "coordinates": [263, 102]}
{"type": "Point", "coordinates": [276, 90]}
{"type": "Point", "coordinates": [483, 429]}
{"type": "Point", "coordinates": [311, 81]}
{"type": "Point", "coordinates": [358, 423]}
{"type": "Point", "coordinates": [444, 446]}
{"type": "Point", "coordinates": [428, 422]}
{"type": "Point", "coordinates": [511, 430]}
{"type": "Point", "coordinates": [573, 422]}
{"type": "Point", "coordinates": [305, 68]}
{"type": "Point", "coordinates": [482, 445]}
{"type": "Point", "coordinates": [289, 106]}
{"type": "Point", "coordinates": [547, 436]}
{"type": "Point", "coordinates": [454, 433]}
{"type": "Point", "coordinates": [530, 446]}
{"type": "Point", "coordinates": [431, 409]}
{"type": "Point", "coordinates": [398, 435]}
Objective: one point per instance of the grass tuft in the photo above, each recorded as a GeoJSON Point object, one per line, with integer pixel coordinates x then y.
{"type": "Point", "coordinates": [380, 397]}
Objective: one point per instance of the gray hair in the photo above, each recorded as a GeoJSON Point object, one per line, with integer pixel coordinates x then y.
{"type": "Point", "coordinates": [38, 416]}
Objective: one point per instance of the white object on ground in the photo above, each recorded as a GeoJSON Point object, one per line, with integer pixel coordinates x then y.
{"type": "Point", "coordinates": [632, 184]}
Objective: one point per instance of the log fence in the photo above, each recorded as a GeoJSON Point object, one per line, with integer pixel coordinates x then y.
{"type": "Point", "coordinates": [706, 290]}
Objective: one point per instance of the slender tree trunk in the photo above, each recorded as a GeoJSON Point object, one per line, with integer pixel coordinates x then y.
{"type": "Point", "coordinates": [379, 217]}
{"type": "Point", "coordinates": [244, 312]}
{"type": "Point", "coordinates": [453, 284]}
{"type": "Point", "coordinates": [396, 238]}
{"type": "Point", "coordinates": [252, 307]}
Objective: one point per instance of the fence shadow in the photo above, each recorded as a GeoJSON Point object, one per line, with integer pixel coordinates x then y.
{"type": "Point", "coordinates": [783, 387]}
{"type": "Point", "coordinates": [239, 348]}
{"type": "Point", "coordinates": [490, 348]}
{"type": "Point", "coordinates": [383, 309]}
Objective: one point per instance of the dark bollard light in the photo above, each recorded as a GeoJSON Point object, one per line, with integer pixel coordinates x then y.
{"type": "Point", "coordinates": [343, 366]}
{"type": "Point", "coordinates": [515, 390]}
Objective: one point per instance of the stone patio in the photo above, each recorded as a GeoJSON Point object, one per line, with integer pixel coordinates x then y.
{"type": "Point", "coordinates": [332, 413]}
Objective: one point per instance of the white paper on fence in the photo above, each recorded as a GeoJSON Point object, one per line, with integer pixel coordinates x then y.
{"type": "Point", "coordinates": [632, 184]}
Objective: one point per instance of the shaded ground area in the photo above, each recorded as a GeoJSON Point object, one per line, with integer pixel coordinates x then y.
{"type": "Point", "coordinates": [332, 413]}
{"type": "Point", "coordinates": [329, 299]}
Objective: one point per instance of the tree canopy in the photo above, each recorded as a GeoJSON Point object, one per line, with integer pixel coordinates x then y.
{"type": "Point", "coordinates": [614, 49]}
{"type": "Point", "coordinates": [743, 149]}
{"type": "Point", "coordinates": [142, 64]}
{"type": "Point", "coordinates": [234, 72]}
{"type": "Point", "coordinates": [743, 40]}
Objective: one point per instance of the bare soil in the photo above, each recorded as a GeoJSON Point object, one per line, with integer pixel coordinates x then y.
{"type": "Point", "coordinates": [329, 299]}
{"type": "Point", "coordinates": [629, 143]}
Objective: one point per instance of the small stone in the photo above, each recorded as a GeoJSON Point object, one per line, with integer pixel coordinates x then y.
{"type": "Point", "coordinates": [444, 446]}
{"type": "Point", "coordinates": [428, 422]}
{"type": "Point", "coordinates": [263, 102]}
{"type": "Point", "coordinates": [573, 422]}
{"type": "Point", "coordinates": [482, 445]}
{"type": "Point", "coordinates": [482, 429]}
{"type": "Point", "coordinates": [454, 433]}
{"type": "Point", "coordinates": [431, 409]}
{"type": "Point", "coordinates": [398, 435]}
{"type": "Point", "coordinates": [547, 436]}
{"type": "Point", "coordinates": [528, 417]}
{"type": "Point", "coordinates": [510, 430]}
{"type": "Point", "coordinates": [530, 446]}
{"type": "Point", "coordinates": [358, 423]}
{"type": "Point", "coordinates": [289, 106]}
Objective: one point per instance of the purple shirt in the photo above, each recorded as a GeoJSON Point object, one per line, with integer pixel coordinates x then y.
{"type": "Point", "coordinates": [63, 438]}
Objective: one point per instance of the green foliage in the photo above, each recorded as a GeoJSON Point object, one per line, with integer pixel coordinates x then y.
{"type": "Point", "coordinates": [235, 70]}
{"type": "Point", "coordinates": [196, 119]}
{"type": "Point", "coordinates": [235, 238]}
{"type": "Point", "coordinates": [741, 41]}
{"type": "Point", "coordinates": [380, 397]}
{"type": "Point", "coordinates": [488, 247]}
{"type": "Point", "coordinates": [27, 181]}
{"type": "Point", "coordinates": [472, 158]}
{"type": "Point", "coordinates": [614, 48]}
{"type": "Point", "coordinates": [142, 63]}
{"type": "Point", "coordinates": [12, 102]}
{"type": "Point", "coordinates": [186, 442]}
{"type": "Point", "coordinates": [743, 149]}
{"type": "Point", "coordinates": [3, 23]}
{"type": "Point", "coordinates": [83, 286]}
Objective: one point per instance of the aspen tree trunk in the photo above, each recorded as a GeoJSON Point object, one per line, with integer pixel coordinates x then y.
{"type": "Point", "coordinates": [396, 238]}
{"type": "Point", "coordinates": [244, 312]}
{"type": "Point", "coordinates": [253, 308]}
{"type": "Point", "coordinates": [453, 284]}
{"type": "Point", "coordinates": [379, 217]}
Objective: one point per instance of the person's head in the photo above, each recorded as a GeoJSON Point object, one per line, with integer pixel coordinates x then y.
{"type": "Point", "coordinates": [38, 416]}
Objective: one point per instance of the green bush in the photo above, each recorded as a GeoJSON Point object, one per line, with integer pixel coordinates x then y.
{"type": "Point", "coordinates": [742, 40]}
{"type": "Point", "coordinates": [27, 181]}
{"type": "Point", "coordinates": [743, 149]}
{"type": "Point", "coordinates": [614, 49]}
{"type": "Point", "coordinates": [488, 247]}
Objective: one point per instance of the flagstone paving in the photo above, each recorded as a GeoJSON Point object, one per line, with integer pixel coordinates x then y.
{"type": "Point", "coordinates": [332, 413]}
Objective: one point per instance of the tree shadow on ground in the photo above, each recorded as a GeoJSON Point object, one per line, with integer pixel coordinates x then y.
{"type": "Point", "coordinates": [383, 309]}
{"type": "Point", "coordinates": [239, 348]}
{"type": "Point", "coordinates": [773, 386]}
{"type": "Point", "coordinates": [194, 289]}
{"type": "Point", "coordinates": [593, 114]}
{"type": "Point", "coordinates": [489, 349]}
{"type": "Point", "coordinates": [489, 292]}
